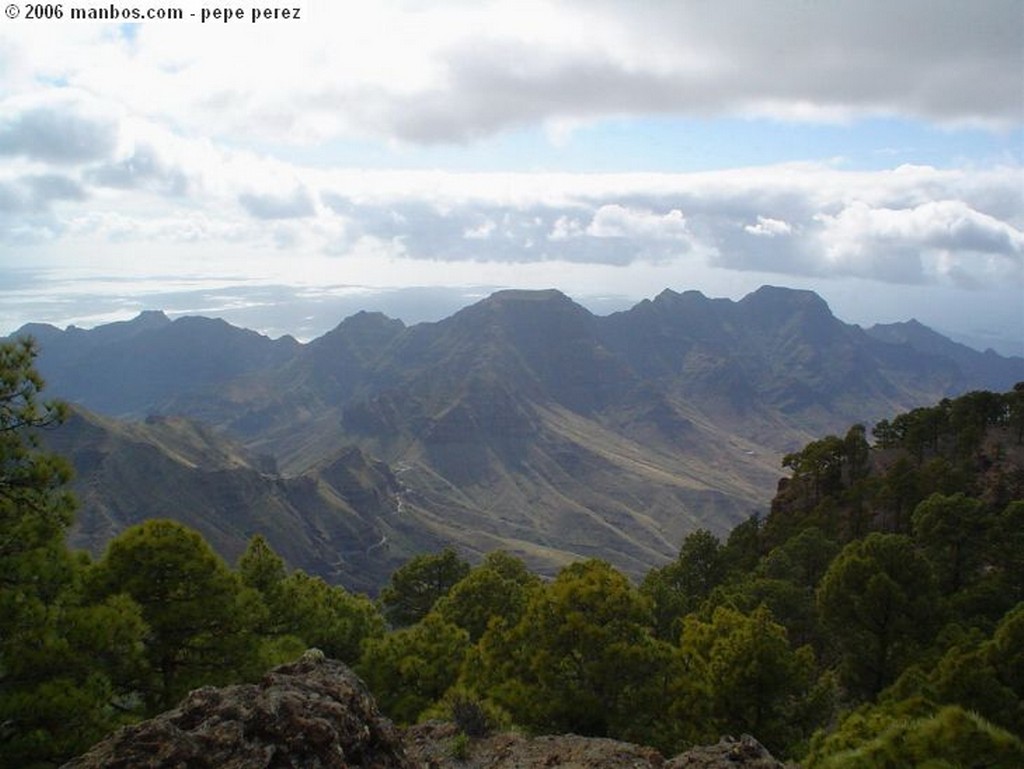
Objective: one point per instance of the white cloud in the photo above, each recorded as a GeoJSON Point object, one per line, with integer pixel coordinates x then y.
{"type": "Point", "coordinates": [294, 205]}
{"type": "Point", "coordinates": [64, 129]}
{"type": "Point", "coordinates": [107, 141]}
{"type": "Point", "coordinates": [615, 221]}
{"type": "Point", "coordinates": [456, 71]}
{"type": "Point", "coordinates": [769, 228]}
{"type": "Point", "coordinates": [142, 169]}
{"type": "Point", "coordinates": [139, 180]}
{"type": "Point", "coordinates": [153, 152]}
{"type": "Point", "coordinates": [36, 193]}
{"type": "Point", "coordinates": [941, 224]}
{"type": "Point", "coordinates": [482, 231]}
{"type": "Point", "coordinates": [934, 240]}
{"type": "Point", "coordinates": [566, 227]}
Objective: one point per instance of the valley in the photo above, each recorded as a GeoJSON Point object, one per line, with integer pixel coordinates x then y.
{"type": "Point", "coordinates": [523, 422]}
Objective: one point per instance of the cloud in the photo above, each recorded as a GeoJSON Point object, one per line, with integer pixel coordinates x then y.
{"type": "Point", "coordinates": [483, 94]}
{"type": "Point", "coordinates": [143, 169]}
{"type": "Point", "coordinates": [947, 238]}
{"type": "Point", "coordinates": [941, 61]}
{"type": "Point", "coordinates": [473, 231]}
{"type": "Point", "coordinates": [566, 227]}
{"type": "Point", "coordinates": [919, 57]}
{"type": "Point", "coordinates": [907, 225]}
{"type": "Point", "coordinates": [35, 193]}
{"type": "Point", "coordinates": [942, 224]}
{"type": "Point", "coordinates": [445, 73]}
{"type": "Point", "coordinates": [769, 228]}
{"type": "Point", "coordinates": [48, 187]}
{"type": "Point", "coordinates": [295, 205]}
{"type": "Point", "coordinates": [12, 199]}
{"type": "Point", "coordinates": [615, 221]}
{"type": "Point", "coordinates": [57, 133]}
{"type": "Point", "coordinates": [26, 207]}
{"type": "Point", "coordinates": [161, 140]}
{"type": "Point", "coordinates": [482, 230]}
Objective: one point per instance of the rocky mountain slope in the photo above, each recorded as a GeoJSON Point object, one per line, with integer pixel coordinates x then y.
{"type": "Point", "coordinates": [987, 370]}
{"type": "Point", "coordinates": [130, 367]}
{"type": "Point", "coordinates": [523, 422]}
{"type": "Point", "coordinates": [335, 520]}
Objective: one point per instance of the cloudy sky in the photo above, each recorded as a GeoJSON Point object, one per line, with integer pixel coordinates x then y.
{"type": "Point", "coordinates": [414, 156]}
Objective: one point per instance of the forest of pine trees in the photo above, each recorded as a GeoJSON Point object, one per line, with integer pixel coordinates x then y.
{"type": "Point", "coordinates": [873, 618]}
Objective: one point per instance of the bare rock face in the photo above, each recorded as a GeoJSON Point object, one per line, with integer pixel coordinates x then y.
{"type": "Point", "coordinates": [729, 753]}
{"type": "Point", "coordinates": [311, 714]}
{"type": "Point", "coordinates": [317, 714]}
{"type": "Point", "coordinates": [431, 746]}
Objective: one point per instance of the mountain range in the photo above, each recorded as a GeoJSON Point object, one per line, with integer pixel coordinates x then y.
{"type": "Point", "coordinates": [522, 422]}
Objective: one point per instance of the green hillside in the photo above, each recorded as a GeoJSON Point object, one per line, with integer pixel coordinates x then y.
{"type": "Point", "coordinates": [523, 422]}
{"type": "Point", "coordinates": [874, 617]}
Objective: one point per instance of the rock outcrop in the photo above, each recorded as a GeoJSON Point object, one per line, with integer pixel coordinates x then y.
{"type": "Point", "coordinates": [729, 753]}
{"type": "Point", "coordinates": [431, 746]}
{"type": "Point", "coordinates": [313, 714]}
{"type": "Point", "coordinates": [317, 714]}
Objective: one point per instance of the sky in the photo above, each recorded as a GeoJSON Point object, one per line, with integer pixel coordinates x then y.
{"type": "Point", "coordinates": [413, 157]}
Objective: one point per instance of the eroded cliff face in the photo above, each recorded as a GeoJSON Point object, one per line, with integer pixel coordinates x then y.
{"type": "Point", "coordinates": [317, 714]}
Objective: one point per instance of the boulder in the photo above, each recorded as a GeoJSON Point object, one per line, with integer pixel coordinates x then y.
{"type": "Point", "coordinates": [311, 714]}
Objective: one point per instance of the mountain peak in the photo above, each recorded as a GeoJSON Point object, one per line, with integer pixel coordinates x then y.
{"type": "Point", "coordinates": [38, 331]}
{"type": "Point", "coordinates": [363, 330]}
{"type": "Point", "coordinates": [903, 331]}
{"type": "Point", "coordinates": [518, 306]}
{"type": "Point", "coordinates": [152, 318]}
{"type": "Point", "coordinates": [926, 339]}
{"type": "Point", "coordinates": [675, 299]}
{"type": "Point", "coordinates": [147, 320]}
{"type": "Point", "coordinates": [771, 303]}
{"type": "Point", "coordinates": [366, 322]}
{"type": "Point", "coordinates": [366, 319]}
{"type": "Point", "coordinates": [527, 296]}
{"type": "Point", "coordinates": [667, 295]}
{"type": "Point", "coordinates": [782, 296]}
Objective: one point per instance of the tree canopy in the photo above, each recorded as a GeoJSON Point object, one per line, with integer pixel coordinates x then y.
{"type": "Point", "coordinates": [63, 660]}
{"type": "Point", "coordinates": [874, 617]}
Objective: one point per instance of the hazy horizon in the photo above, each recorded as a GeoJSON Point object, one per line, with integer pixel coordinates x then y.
{"type": "Point", "coordinates": [275, 312]}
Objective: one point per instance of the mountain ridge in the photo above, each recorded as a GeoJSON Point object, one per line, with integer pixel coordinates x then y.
{"type": "Point", "coordinates": [523, 421]}
{"type": "Point", "coordinates": [326, 521]}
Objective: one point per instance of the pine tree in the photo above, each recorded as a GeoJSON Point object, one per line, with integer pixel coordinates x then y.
{"type": "Point", "coordinates": [582, 658]}
{"type": "Point", "coordinates": [880, 601]}
{"type": "Point", "coordinates": [411, 669]}
{"type": "Point", "coordinates": [417, 585]}
{"type": "Point", "coordinates": [201, 619]}
{"type": "Point", "coordinates": [64, 663]}
{"type": "Point", "coordinates": [757, 683]}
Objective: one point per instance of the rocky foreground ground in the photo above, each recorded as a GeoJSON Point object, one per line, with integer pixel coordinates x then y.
{"type": "Point", "coordinates": [317, 714]}
{"type": "Point", "coordinates": [430, 747]}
